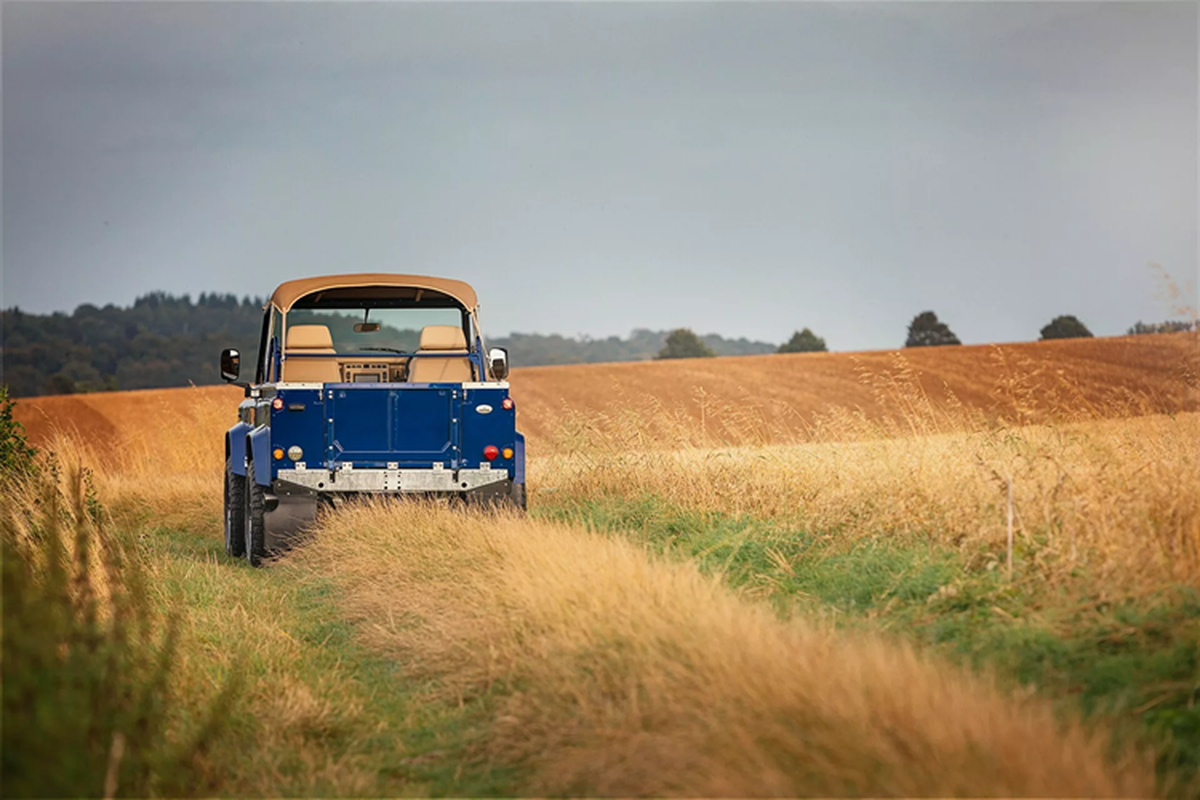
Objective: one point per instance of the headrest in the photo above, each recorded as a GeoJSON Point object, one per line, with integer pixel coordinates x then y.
{"type": "Point", "coordinates": [309, 337]}
{"type": "Point", "coordinates": [443, 337]}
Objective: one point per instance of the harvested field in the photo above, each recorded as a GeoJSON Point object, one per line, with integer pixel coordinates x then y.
{"type": "Point", "coordinates": [105, 419]}
{"type": "Point", "coordinates": [765, 399]}
{"type": "Point", "coordinates": [775, 397]}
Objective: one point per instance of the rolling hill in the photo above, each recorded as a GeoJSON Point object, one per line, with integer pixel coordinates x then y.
{"type": "Point", "coordinates": [1100, 377]}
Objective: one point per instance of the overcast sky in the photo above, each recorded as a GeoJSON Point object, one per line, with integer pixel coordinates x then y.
{"type": "Point", "coordinates": [740, 168]}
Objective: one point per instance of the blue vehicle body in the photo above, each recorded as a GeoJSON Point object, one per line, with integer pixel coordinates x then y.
{"type": "Point", "coordinates": [380, 426]}
{"type": "Point", "coordinates": [308, 442]}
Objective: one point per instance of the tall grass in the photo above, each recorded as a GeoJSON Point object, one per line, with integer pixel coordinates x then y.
{"type": "Point", "coordinates": [87, 658]}
{"type": "Point", "coordinates": [1117, 498]}
{"type": "Point", "coordinates": [631, 675]}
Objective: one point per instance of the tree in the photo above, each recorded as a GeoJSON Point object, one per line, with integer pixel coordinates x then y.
{"type": "Point", "coordinates": [683, 343]}
{"type": "Point", "coordinates": [1065, 327]}
{"type": "Point", "coordinates": [926, 331]}
{"type": "Point", "coordinates": [1170, 326]}
{"type": "Point", "coordinates": [804, 341]}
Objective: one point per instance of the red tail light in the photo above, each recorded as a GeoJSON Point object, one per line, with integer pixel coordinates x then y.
{"type": "Point", "coordinates": [507, 404]}
{"type": "Point", "coordinates": [490, 452]}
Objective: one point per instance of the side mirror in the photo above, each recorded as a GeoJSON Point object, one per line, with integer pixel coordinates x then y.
{"type": "Point", "coordinates": [231, 364]}
{"type": "Point", "coordinates": [498, 361]}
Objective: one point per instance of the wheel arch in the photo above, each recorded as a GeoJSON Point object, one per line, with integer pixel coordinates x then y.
{"type": "Point", "coordinates": [235, 448]}
{"type": "Point", "coordinates": [258, 446]}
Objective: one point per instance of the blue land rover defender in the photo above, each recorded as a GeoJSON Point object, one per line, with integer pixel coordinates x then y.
{"type": "Point", "coordinates": [366, 384]}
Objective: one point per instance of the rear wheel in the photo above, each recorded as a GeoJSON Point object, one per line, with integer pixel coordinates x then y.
{"type": "Point", "coordinates": [516, 495]}
{"type": "Point", "coordinates": [256, 547]}
{"type": "Point", "coordinates": [235, 511]}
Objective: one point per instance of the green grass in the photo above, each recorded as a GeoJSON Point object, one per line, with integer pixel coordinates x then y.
{"type": "Point", "coordinates": [1135, 662]}
{"type": "Point", "coordinates": [372, 730]}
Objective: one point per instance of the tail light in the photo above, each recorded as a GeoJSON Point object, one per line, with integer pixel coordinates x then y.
{"type": "Point", "coordinates": [507, 404]}
{"type": "Point", "coordinates": [277, 404]}
{"type": "Point", "coordinates": [490, 452]}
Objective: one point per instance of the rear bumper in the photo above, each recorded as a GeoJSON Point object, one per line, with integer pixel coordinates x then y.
{"type": "Point", "coordinates": [296, 495]}
{"type": "Point", "coordinates": [391, 481]}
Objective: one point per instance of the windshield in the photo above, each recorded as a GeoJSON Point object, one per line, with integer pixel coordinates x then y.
{"type": "Point", "coordinates": [387, 329]}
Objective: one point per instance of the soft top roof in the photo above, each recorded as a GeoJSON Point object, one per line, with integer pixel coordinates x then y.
{"type": "Point", "coordinates": [288, 293]}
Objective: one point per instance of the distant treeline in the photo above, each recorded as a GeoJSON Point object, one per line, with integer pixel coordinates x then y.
{"type": "Point", "coordinates": [163, 340]}
{"type": "Point", "coordinates": [534, 349]}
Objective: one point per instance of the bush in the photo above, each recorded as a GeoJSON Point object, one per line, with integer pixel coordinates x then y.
{"type": "Point", "coordinates": [683, 343]}
{"type": "Point", "coordinates": [1065, 327]}
{"type": "Point", "coordinates": [60, 384]}
{"type": "Point", "coordinates": [926, 331]}
{"type": "Point", "coordinates": [16, 456]}
{"type": "Point", "coordinates": [804, 341]}
{"type": "Point", "coordinates": [87, 660]}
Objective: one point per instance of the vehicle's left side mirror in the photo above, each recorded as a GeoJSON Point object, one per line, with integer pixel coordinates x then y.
{"type": "Point", "coordinates": [231, 364]}
{"type": "Point", "coordinates": [498, 361]}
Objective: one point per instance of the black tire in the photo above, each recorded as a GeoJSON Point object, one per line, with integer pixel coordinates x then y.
{"type": "Point", "coordinates": [235, 511]}
{"type": "Point", "coordinates": [516, 495]}
{"type": "Point", "coordinates": [256, 546]}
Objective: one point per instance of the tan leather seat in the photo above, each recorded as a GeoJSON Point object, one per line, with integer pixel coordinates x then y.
{"type": "Point", "coordinates": [314, 340]}
{"type": "Point", "coordinates": [441, 339]}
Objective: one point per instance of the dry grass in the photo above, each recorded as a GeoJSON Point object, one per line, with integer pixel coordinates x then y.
{"type": "Point", "coordinates": [631, 675]}
{"type": "Point", "coordinates": [1120, 498]}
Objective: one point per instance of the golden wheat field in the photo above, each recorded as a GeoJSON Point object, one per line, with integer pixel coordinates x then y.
{"type": "Point", "coordinates": [774, 397]}
{"type": "Point", "coordinates": [629, 671]}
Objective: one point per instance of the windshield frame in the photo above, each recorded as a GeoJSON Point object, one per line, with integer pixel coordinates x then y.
{"type": "Point", "coordinates": [343, 313]}
{"type": "Point", "coordinates": [362, 301]}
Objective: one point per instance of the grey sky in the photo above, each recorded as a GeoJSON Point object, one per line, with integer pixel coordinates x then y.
{"type": "Point", "coordinates": [746, 169]}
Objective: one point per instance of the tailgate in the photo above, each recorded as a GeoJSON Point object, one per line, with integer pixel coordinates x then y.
{"type": "Point", "coordinates": [375, 426]}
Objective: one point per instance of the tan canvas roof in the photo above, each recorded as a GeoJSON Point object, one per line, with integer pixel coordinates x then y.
{"type": "Point", "coordinates": [288, 293]}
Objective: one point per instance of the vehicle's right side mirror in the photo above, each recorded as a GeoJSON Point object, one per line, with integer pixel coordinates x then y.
{"type": "Point", "coordinates": [498, 361]}
{"type": "Point", "coordinates": [231, 364]}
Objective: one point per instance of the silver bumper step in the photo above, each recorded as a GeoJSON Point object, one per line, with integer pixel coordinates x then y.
{"type": "Point", "coordinates": [392, 480]}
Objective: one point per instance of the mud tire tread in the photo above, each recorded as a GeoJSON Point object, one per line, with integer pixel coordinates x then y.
{"type": "Point", "coordinates": [235, 511]}
{"type": "Point", "coordinates": [256, 549]}
{"type": "Point", "coordinates": [517, 496]}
